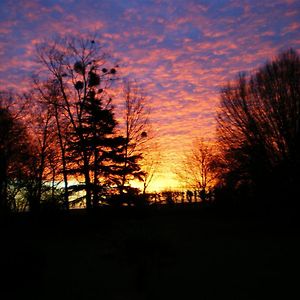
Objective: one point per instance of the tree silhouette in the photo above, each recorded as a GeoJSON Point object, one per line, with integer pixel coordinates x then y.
{"type": "Point", "coordinates": [150, 163]}
{"type": "Point", "coordinates": [102, 146]}
{"type": "Point", "coordinates": [77, 68]}
{"type": "Point", "coordinates": [258, 129]}
{"type": "Point", "coordinates": [136, 131]}
{"type": "Point", "coordinates": [47, 94]}
{"type": "Point", "coordinates": [199, 168]}
{"type": "Point", "coordinates": [15, 152]}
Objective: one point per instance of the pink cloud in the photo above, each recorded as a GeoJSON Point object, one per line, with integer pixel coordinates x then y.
{"type": "Point", "coordinates": [295, 26]}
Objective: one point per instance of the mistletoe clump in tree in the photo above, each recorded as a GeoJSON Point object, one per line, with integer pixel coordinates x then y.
{"type": "Point", "coordinates": [77, 68]}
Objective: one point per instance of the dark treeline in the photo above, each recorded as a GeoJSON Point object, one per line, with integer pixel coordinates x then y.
{"type": "Point", "coordinates": [65, 130]}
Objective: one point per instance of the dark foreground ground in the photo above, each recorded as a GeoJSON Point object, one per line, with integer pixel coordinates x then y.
{"type": "Point", "coordinates": [166, 254]}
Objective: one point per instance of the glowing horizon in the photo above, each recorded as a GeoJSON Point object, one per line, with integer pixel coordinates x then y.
{"type": "Point", "coordinates": [181, 52]}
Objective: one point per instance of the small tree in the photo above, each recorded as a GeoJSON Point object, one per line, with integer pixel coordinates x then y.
{"type": "Point", "coordinates": [136, 131]}
{"type": "Point", "coordinates": [150, 164]}
{"type": "Point", "coordinates": [199, 168]}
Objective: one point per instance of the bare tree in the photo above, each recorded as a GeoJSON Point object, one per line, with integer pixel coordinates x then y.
{"type": "Point", "coordinates": [48, 94]}
{"type": "Point", "coordinates": [150, 164]}
{"type": "Point", "coordinates": [258, 127]}
{"type": "Point", "coordinates": [198, 170]}
{"type": "Point", "coordinates": [39, 122]}
{"type": "Point", "coordinates": [136, 130]}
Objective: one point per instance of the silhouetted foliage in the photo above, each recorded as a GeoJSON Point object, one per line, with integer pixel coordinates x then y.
{"type": "Point", "coordinates": [258, 129]}
{"type": "Point", "coordinates": [15, 154]}
{"type": "Point", "coordinates": [96, 136]}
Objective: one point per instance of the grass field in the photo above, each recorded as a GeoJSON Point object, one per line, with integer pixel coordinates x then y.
{"type": "Point", "coordinates": [157, 255]}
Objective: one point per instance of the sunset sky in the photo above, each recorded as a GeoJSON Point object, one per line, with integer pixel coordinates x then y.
{"type": "Point", "coordinates": [180, 51]}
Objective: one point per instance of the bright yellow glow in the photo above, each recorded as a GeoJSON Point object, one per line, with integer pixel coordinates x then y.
{"type": "Point", "coordinates": [160, 182]}
{"type": "Point", "coordinates": [164, 183]}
